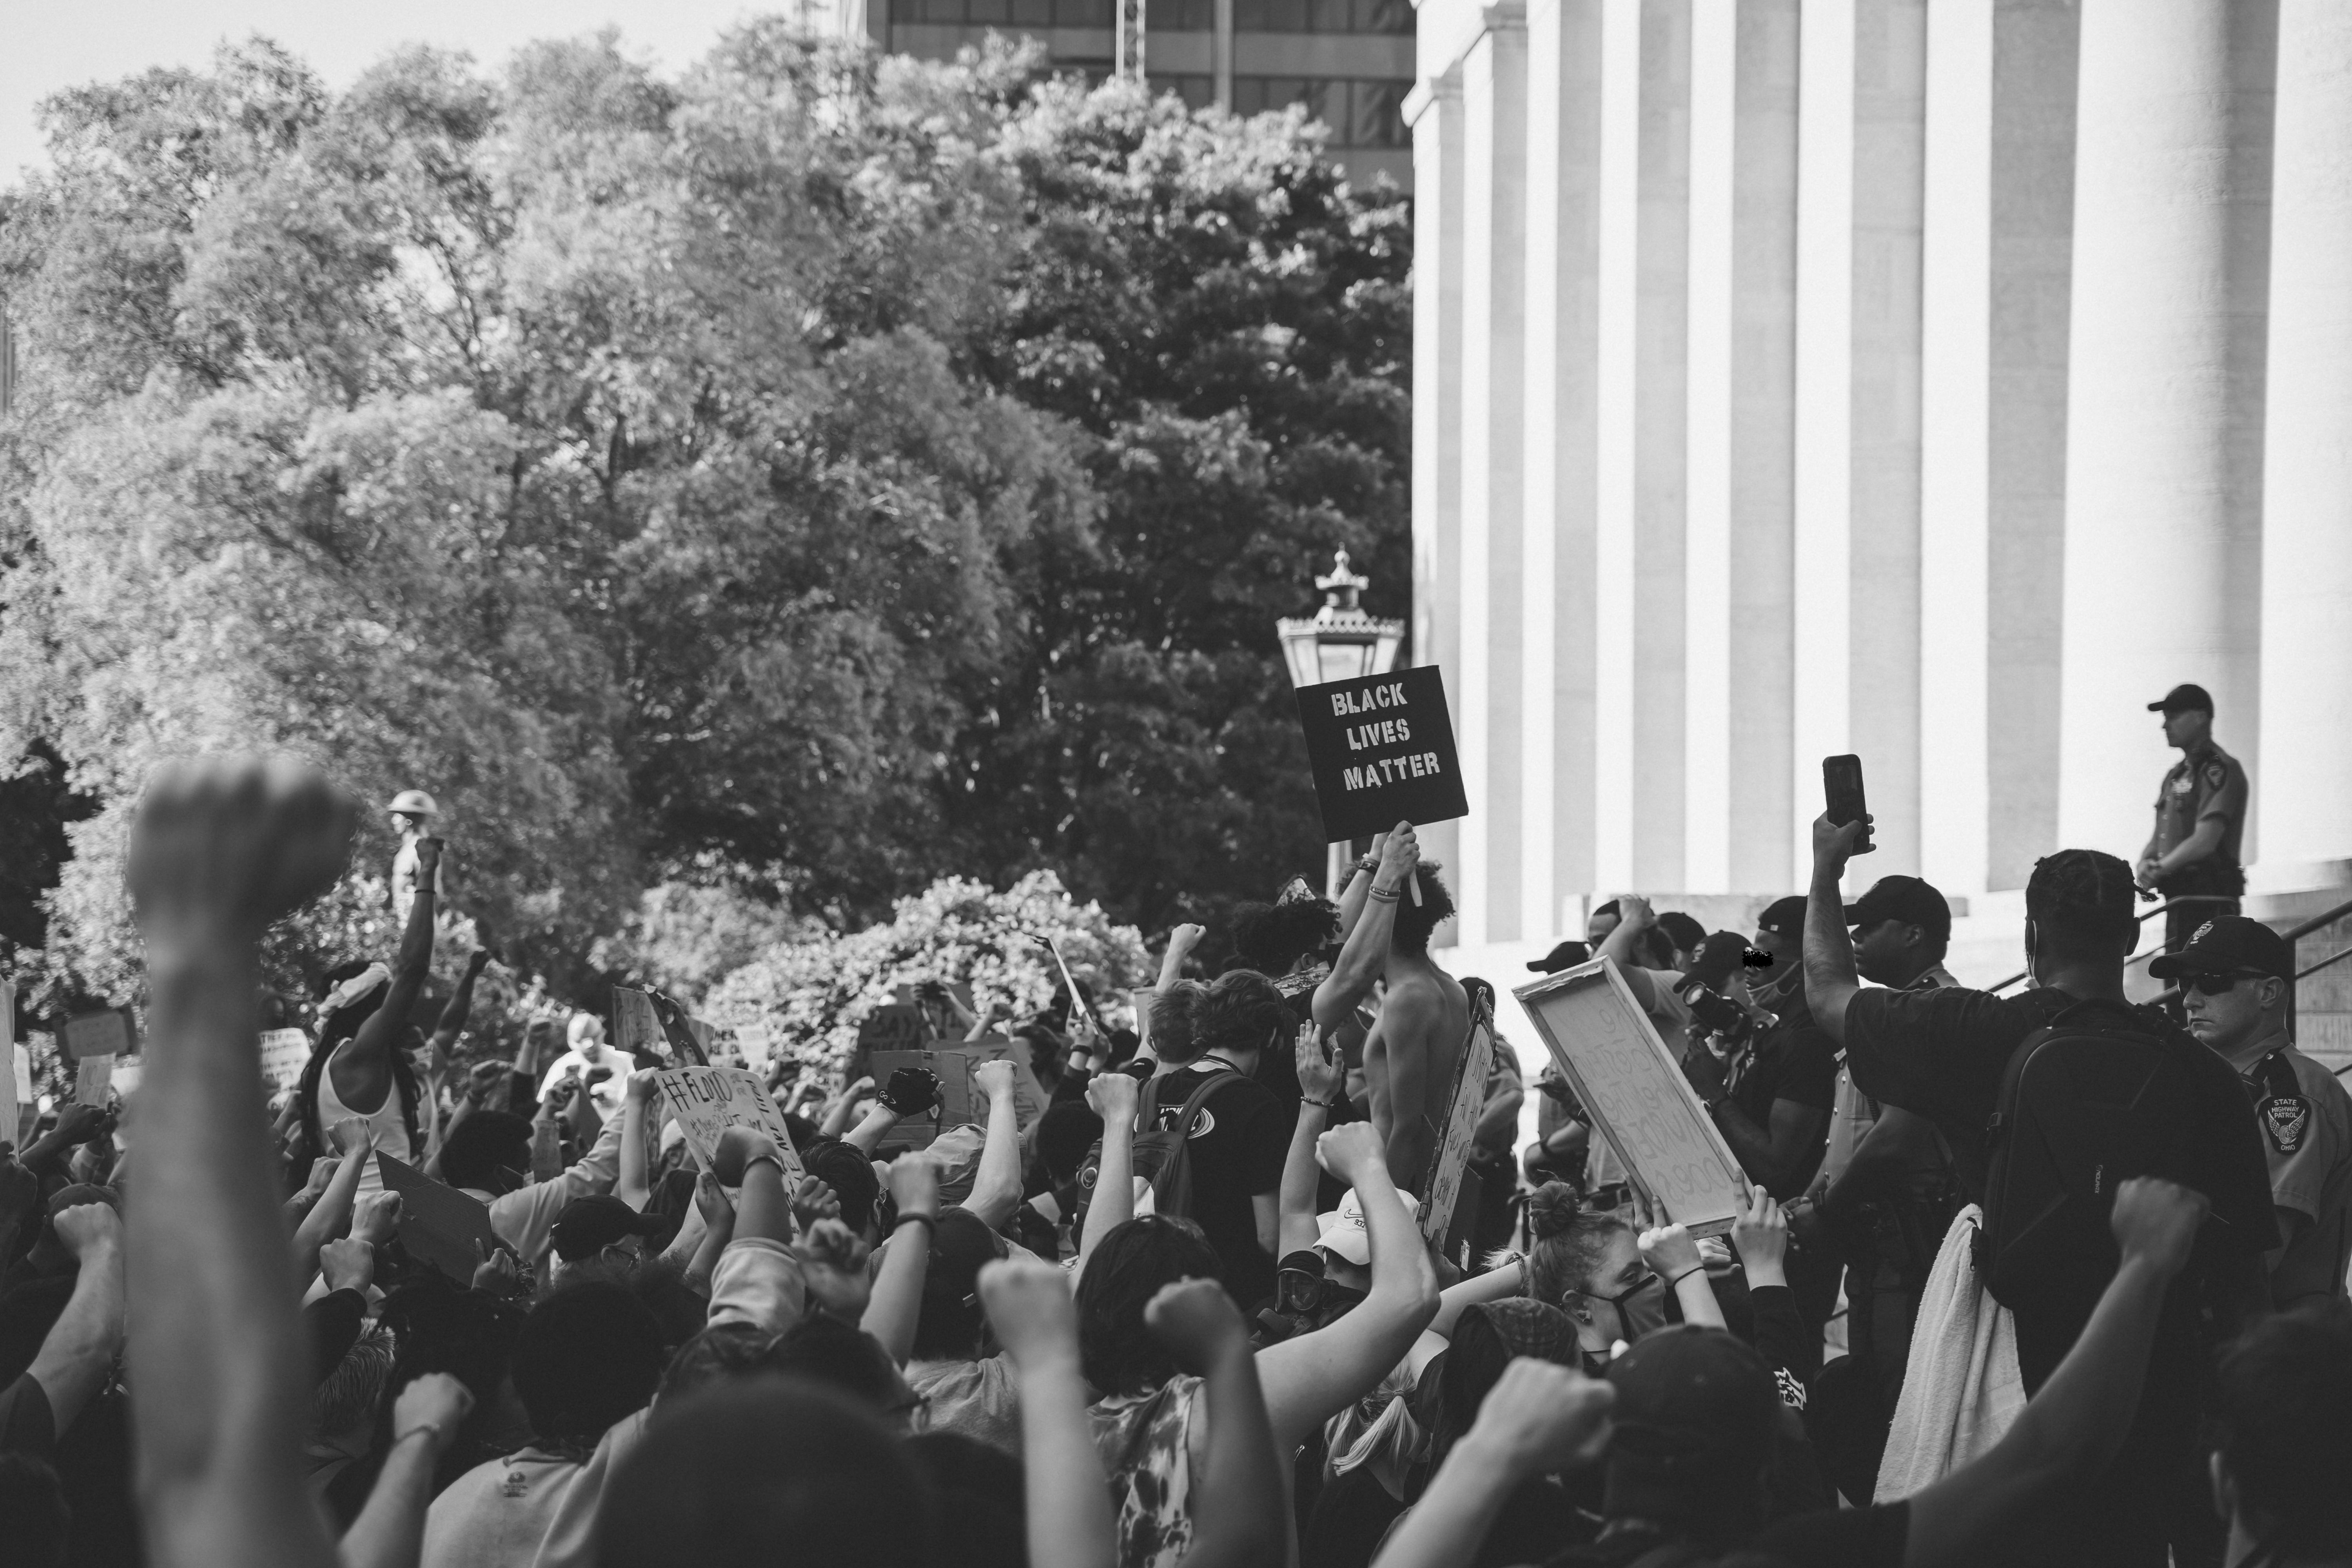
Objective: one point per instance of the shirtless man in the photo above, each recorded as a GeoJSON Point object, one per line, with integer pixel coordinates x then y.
{"type": "Point", "coordinates": [1410, 1054]}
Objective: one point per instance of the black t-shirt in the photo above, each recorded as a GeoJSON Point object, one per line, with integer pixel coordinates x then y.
{"type": "Point", "coordinates": [1839, 1538]}
{"type": "Point", "coordinates": [1942, 1054]}
{"type": "Point", "coordinates": [1793, 1061]}
{"type": "Point", "coordinates": [1237, 1149]}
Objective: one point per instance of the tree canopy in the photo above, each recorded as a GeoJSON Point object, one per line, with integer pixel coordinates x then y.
{"type": "Point", "coordinates": [797, 479]}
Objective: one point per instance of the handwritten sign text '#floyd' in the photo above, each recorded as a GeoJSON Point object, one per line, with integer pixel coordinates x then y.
{"type": "Point", "coordinates": [1382, 748]}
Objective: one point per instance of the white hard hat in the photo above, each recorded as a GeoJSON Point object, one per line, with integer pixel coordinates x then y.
{"type": "Point", "coordinates": [413, 803]}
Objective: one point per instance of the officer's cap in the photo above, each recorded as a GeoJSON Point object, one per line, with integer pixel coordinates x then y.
{"type": "Point", "coordinates": [2230, 944]}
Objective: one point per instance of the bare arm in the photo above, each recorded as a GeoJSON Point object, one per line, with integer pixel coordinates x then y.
{"type": "Point", "coordinates": [1366, 951]}
{"type": "Point", "coordinates": [382, 1031]}
{"type": "Point", "coordinates": [1298, 1226]}
{"type": "Point", "coordinates": [1249, 1526]}
{"type": "Point", "coordinates": [333, 1211]}
{"type": "Point", "coordinates": [2073, 1429]}
{"type": "Point", "coordinates": [1113, 1096]}
{"type": "Point", "coordinates": [217, 852]}
{"type": "Point", "coordinates": [866, 1136]}
{"type": "Point", "coordinates": [1772, 1154]}
{"type": "Point", "coordinates": [630, 1183]}
{"type": "Point", "coordinates": [81, 1345]}
{"type": "Point", "coordinates": [1180, 943]}
{"type": "Point", "coordinates": [1830, 978]}
{"type": "Point", "coordinates": [1066, 1498]}
{"type": "Point", "coordinates": [996, 1185]}
{"type": "Point", "coordinates": [1311, 1378]}
{"type": "Point", "coordinates": [837, 1113]}
{"type": "Point", "coordinates": [897, 1303]}
{"type": "Point", "coordinates": [390, 1531]}
{"type": "Point", "coordinates": [1634, 917]}
{"type": "Point", "coordinates": [1538, 1419]}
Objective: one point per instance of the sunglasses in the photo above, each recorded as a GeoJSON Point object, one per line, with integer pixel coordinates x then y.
{"type": "Point", "coordinates": [2221, 985]}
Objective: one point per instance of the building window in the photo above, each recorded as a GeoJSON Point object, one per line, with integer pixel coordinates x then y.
{"type": "Point", "coordinates": [1197, 91]}
{"type": "Point", "coordinates": [1360, 114]}
{"type": "Point", "coordinates": [1083, 14]}
{"type": "Point", "coordinates": [1394, 17]}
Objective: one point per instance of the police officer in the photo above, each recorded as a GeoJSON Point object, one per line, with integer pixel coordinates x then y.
{"type": "Point", "coordinates": [2201, 816]}
{"type": "Point", "coordinates": [2237, 979]}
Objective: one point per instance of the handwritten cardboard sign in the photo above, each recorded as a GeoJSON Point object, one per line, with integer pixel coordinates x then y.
{"type": "Point", "coordinates": [93, 1076]}
{"type": "Point", "coordinates": [438, 1224]}
{"type": "Point", "coordinates": [893, 1027]}
{"type": "Point", "coordinates": [108, 1033]}
{"type": "Point", "coordinates": [707, 1102]}
{"type": "Point", "coordinates": [962, 1102]}
{"type": "Point", "coordinates": [1382, 749]}
{"type": "Point", "coordinates": [1640, 1101]}
{"type": "Point", "coordinates": [284, 1054]}
{"type": "Point", "coordinates": [636, 1025]}
{"type": "Point", "coordinates": [1442, 1188]}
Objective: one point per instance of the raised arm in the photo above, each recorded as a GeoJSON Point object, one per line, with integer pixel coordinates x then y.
{"type": "Point", "coordinates": [1248, 1527]}
{"type": "Point", "coordinates": [1321, 1081]}
{"type": "Point", "coordinates": [382, 1031]}
{"type": "Point", "coordinates": [1538, 1418]}
{"type": "Point", "coordinates": [837, 1111]}
{"type": "Point", "coordinates": [1312, 1377]}
{"type": "Point", "coordinates": [333, 1211]}
{"type": "Point", "coordinates": [897, 1303]}
{"type": "Point", "coordinates": [1113, 1096]}
{"type": "Point", "coordinates": [1830, 978]}
{"type": "Point", "coordinates": [630, 1183]}
{"type": "Point", "coordinates": [390, 1531]}
{"type": "Point", "coordinates": [2072, 1430]}
{"type": "Point", "coordinates": [1366, 951]}
{"type": "Point", "coordinates": [218, 851]}
{"type": "Point", "coordinates": [1067, 1498]}
{"type": "Point", "coordinates": [81, 1345]}
{"type": "Point", "coordinates": [1182, 940]}
{"type": "Point", "coordinates": [1635, 916]}
{"type": "Point", "coordinates": [996, 1186]}
{"type": "Point", "coordinates": [1674, 1256]}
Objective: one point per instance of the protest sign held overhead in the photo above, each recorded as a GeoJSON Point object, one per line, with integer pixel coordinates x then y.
{"type": "Point", "coordinates": [284, 1054]}
{"type": "Point", "coordinates": [109, 1034]}
{"type": "Point", "coordinates": [1382, 749]}
{"type": "Point", "coordinates": [1622, 1073]}
{"type": "Point", "coordinates": [962, 1101]}
{"type": "Point", "coordinates": [438, 1224]}
{"type": "Point", "coordinates": [707, 1101]}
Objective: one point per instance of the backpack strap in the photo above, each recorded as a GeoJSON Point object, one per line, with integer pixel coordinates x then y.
{"type": "Point", "coordinates": [1200, 1097]}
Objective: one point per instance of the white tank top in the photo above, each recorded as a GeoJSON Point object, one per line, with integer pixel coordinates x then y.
{"type": "Point", "coordinates": [386, 1127]}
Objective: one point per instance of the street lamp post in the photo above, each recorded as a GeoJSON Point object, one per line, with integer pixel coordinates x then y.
{"type": "Point", "coordinates": [1339, 642]}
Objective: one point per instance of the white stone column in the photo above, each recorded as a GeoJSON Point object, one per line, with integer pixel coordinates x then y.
{"type": "Point", "coordinates": [1494, 262]}
{"type": "Point", "coordinates": [2036, 48]}
{"type": "Point", "coordinates": [1890, 93]}
{"type": "Point", "coordinates": [2304, 783]}
{"type": "Point", "coordinates": [2164, 403]}
{"type": "Point", "coordinates": [1661, 403]}
{"type": "Point", "coordinates": [1562, 329]}
{"type": "Point", "coordinates": [1824, 433]}
{"type": "Point", "coordinates": [1761, 473]}
{"type": "Point", "coordinates": [1433, 110]}
{"type": "Point", "coordinates": [1955, 456]}
{"type": "Point", "coordinates": [1706, 448]}
{"type": "Point", "coordinates": [1615, 787]}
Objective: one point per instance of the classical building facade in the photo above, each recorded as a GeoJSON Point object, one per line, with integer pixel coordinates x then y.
{"type": "Point", "coordinates": [1938, 380]}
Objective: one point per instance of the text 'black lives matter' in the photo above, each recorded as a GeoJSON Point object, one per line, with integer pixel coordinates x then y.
{"type": "Point", "coordinates": [1382, 749]}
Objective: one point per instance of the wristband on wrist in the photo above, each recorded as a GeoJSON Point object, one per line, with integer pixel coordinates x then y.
{"type": "Point", "coordinates": [1322, 1104]}
{"type": "Point", "coordinates": [1694, 1269]}
{"type": "Point", "coordinates": [430, 1428]}
{"type": "Point", "coordinates": [1388, 896]}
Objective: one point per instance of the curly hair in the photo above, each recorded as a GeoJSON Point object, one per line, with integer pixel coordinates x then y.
{"type": "Point", "coordinates": [1570, 1240]}
{"type": "Point", "coordinates": [1416, 921]}
{"type": "Point", "coordinates": [1273, 938]}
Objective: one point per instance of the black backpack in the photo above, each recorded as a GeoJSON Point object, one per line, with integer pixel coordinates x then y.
{"type": "Point", "coordinates": [2097, 1095]}
{"type": "Point", "coordinates": [1160, 1155]}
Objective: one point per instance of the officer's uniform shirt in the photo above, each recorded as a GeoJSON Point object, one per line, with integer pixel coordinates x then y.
{"type": "Point", "coordinates": [2208, 782]}
{"type": "Point", "coordinates": [2305, 1117]}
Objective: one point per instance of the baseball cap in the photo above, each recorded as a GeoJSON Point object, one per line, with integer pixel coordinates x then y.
{"type": "Point", "coordinates": [1715, 960]}
{"type": "Point", "coordinates": [1695, 1408]}
{"type": "Point", "coordinates": [1784, 916]}
{"type": "Point", "coordinates": [589, 1224]}
{"type": "Point", "coordinates": [1567, 955]}
{"type": "Point", "coordinates": [2230, 944]}
{"type": "Point", "coordinates": [1343, 1233]}
{"type": "Point", "coordinates": [2183, 699]}
{"type": "Point", "coordinates": [1906, 898]}
{"type": "Point", "coordinates": [413, 803]}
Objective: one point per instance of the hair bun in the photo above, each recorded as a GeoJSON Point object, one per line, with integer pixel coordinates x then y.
{"type": "Point", "coordinates": [1552, 1209]}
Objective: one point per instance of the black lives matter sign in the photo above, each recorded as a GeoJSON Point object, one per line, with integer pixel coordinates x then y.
{"type": "Point", "coordinates": [1382, 749]}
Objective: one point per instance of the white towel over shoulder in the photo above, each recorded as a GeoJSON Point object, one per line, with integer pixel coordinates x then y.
{"type": "Point", "coordinates": [1961, 1388]}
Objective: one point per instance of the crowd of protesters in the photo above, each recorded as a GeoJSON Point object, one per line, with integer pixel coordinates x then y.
{"type": "Point", "coordinates": [1187, 1315]}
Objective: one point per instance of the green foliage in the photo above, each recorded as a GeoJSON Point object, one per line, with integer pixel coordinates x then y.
{"type": "Point", "coordinates": [777, 486]}
{"type": "Point", "coordinates": [810, 994]}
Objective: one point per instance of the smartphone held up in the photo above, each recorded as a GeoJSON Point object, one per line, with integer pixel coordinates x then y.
{"type": "Point", "coordinates": [1842, 784]}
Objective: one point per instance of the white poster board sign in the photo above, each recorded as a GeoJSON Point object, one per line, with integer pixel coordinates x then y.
{"type": "Point", "coordinates": [107, 1034]}
{"type": "Point", "coordinates": [93, 1077]}
{"type": "Point", "coordinates": [1636, 1094]}
{"type": "Point", "coordinates": [707, 1102]}
{"type": "Point", "coordinates": [284, 1054]}
{"type": "Point", "coordinates": [1469, 1098]}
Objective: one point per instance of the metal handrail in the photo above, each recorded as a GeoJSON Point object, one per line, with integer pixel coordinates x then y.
{"type": "Point", "coordinates": [2140, 918]}
{"type": "Point", "coordinates": [2326, 917]}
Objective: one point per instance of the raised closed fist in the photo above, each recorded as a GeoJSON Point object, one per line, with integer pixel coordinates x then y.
{"type": "Point", "coordinates": [222, 848]}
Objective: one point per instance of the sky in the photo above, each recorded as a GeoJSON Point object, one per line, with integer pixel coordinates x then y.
{"type": "Point", "coordinates": [45, 45]}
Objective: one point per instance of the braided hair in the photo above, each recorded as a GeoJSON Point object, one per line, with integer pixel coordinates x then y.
{"type": "Point", "coordinates": [2081, 904]}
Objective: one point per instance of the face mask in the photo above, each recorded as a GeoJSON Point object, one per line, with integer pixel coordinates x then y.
{"type": "Point", "coordinates": [1306, 1295]}
{"type": "Point", "coordinates": [1641, 1308]}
